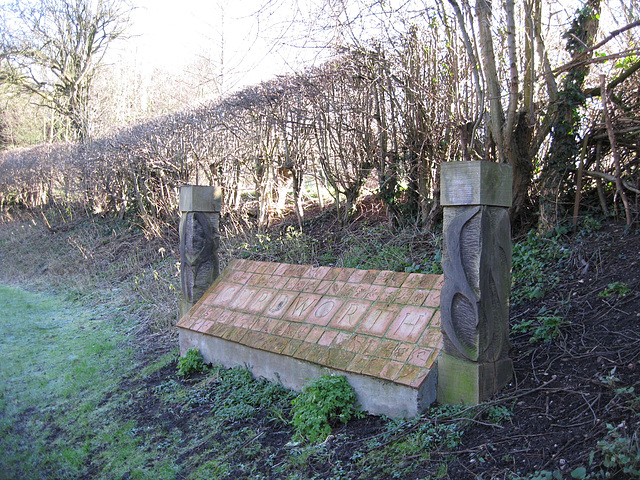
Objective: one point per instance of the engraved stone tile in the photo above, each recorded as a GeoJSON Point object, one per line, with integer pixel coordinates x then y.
{"type": "Point", "coordinates": [388, 295]}
{"type": "Point", "coordinates": [420, 378]}
{"type": "Point", "coordinates": [341, 340]}
{"type": "Point", "coordinates": [227, 316]}
{"type": "Point", "coordinates": [263, 280]}
{"type": "Point", "coordinates": [398, 279]}
{"type": "Point", "coordinates": [317, 353]}
{"type": "Point", "coordinates": [201, 311]}
{"type": "Point", "coordinates": [302, 306]}
{"type": "Point", "coordinates": [296, 270]}
{"type": "Point", "coordinates": [280, 304]}
{"type": "Point", "coordinates": [292, 347]}
{"type": "Point", "coordinates": [314, 335]}
{"type": "Point", "coordinates": [303, 350]}
{"type": "Point", "coordinates": [260, 301]}
{"type": "Point", "coordinates": [243, 297]}
{"type": "Point", "coordinates": [360, 291]}
{"type": "Point", "coordinates": [370, 345]}
{"type": "Point", "coordinates": [332, 358]}
{"type": "Point", "coordinates": [369, 277]}
{"type": "Point", "coordinates": [222, 294]}
{"type": "Point", "coordinates": [260, 324]}
{"type": "Point", "coordinates": [332, 274]}
{"type": "Point", "coordinates": [428, 281]}
{"type": "Point", "coordinates": [323, 287]}
{"type": "Point", "coordinates": [282, 268]}
{"type": "Point", "coordinates": [204, 327]}
{"type": "Point", "coordinates": [302, 332]}
{"type": "Point", "coordinates": [391, 370]}
{"type": "Point", "coordinates": [291, 330]}
{"type": "Point", "coordinates": [261, 267]}
{"type": "Point", "coordinates": [356, 343]}
{"type": "Point", "coordinates": [324, 311]}
{"type": "Point", "coordinates": [401, 352]}
{"type": "Point", "coordinates": [433, 300]}
{"type": "Point", "coordinates": [253, 280]}
{"type": "Point", "coordinates": [431, 337]}
{"type": "Point", "coordinates": [374, 292]}
{"type": "Point", "coordinates": [378, 319]}
{"type": "Point", "coordinates": [374, 367]}
{"type": "Point", "coordinates": [278, 344]}
{"type": "Point", "coordinates": [278, 282]}
{"type": "Point", "coordinates": [383, 277]}
{"type": "Point", "coordinates": [327, 337]}
{"type": "Point", "coordinates": [311, 285]}
{"type": "Point", "coordinates": [358, 364]}
{"type": "Point", "coordinates": [407, 374]}
{"type": "Point", "coordinates": [317, 273]}
{"type": "Point", "coordinates": [343, 360]}
{"type": "Point", "coordinates": [348, 290]}
{"type": "Point", "coordinates": [280, 328]}
{"type": "Point", "coordinates": [350, 314]}
{"type": "Point", "coordinates": [196, 325]}
{"type": "Point", "coordinates": [357, 276]}
{"type": "Point", "coordinates": [435, 320]}
{"type": "Point", "coordinates": [404, 295]}
{"type": "Point", "coordinates": [239, 277]}
{"type": "Point", "coordinates": [270, 268]}
{"type": "Point", "coordinates": [410, 323]}
{"type": "Point", "coordinates": [335, 287]}
{"type": "Point", "coordinates": [344, 274]}
{"type": "Point", "coordinates": [420, 356]}
{"type": "Point", "coordinates": [418, 297]}
{"type": "Point", "coordinates": [386, 348]}
{"type": "Point", "coordinates": [412, 281]}
{"type": "Point", "coordinates": [186, 321]}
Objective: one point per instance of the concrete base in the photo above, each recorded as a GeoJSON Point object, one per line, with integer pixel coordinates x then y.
{"type": "Point", "coordinates": [375, 395]}
{"type": "Point", "coordinates": [462, 381]}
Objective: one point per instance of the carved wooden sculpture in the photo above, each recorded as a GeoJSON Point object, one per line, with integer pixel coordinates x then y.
{"type": "Point", "coordinates": [477, 267]}
{"type": "Point", "coordinates": [199, 242]}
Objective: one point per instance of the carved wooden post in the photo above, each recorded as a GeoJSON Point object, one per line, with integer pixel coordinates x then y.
{"type": "Point", "coordinates": [474, 301]}
{"type": "Point", "coordinates": [199, 242]}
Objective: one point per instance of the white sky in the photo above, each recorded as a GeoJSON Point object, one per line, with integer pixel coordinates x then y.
{"type": "Point", "coordinates": [250, 38]}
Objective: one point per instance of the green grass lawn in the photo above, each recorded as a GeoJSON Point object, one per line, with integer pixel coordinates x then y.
{"type": "Point", "coordinates": [60, 368]}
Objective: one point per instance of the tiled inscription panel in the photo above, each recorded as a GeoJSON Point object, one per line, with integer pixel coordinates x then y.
{"type": "Point", "coordinates": [378, 323]}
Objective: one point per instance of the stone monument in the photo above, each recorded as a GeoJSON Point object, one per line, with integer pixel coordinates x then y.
{"type": "Point", "coordinates": [199, 242]}
{"type": "Point", "coordinates": [476, 262]}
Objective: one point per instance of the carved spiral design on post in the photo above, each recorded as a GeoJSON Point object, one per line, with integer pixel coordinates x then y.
{"type": "Point", "coordinates": [458, 301]}
{"type": "Point", "coordinates": [197, 246]}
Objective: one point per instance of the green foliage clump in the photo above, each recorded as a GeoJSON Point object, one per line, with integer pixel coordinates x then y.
{"type": "Point", "coordinates": [322, 403]}
{"type": "Point", "coordinates": [542, 327]}
{"type": "Point", "coordinates": [617, 289]}
{"type": "Point", "coordinates": [621, 453]}
{"type": "Point", "coordinates": [191, 363]}
{"type": "Point", "coordinates": [537, 265]}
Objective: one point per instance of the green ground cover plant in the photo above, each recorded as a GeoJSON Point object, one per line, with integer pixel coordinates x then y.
{"type": "Point", "coordinates": [192, 362]}
{"type": "Point", "coordinates": [323, 403]}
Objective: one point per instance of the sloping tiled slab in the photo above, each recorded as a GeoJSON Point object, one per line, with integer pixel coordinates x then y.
{"type": "Point", "coordinates": [380, 328]}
